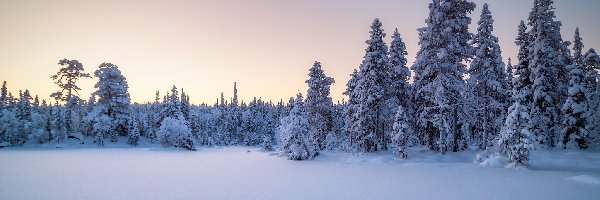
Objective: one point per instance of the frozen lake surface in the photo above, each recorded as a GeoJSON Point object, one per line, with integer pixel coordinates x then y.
{"type": "Point", "coordinates": [248, 173]}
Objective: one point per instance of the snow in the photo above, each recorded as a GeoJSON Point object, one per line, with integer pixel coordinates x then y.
{"type": "Point", "coordinates": [585, 179]}
{"type": "Point", "coordinates": [248, 173]}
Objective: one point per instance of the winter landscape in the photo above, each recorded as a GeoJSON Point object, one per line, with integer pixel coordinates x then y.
{"type": "Point", "coordinates": [462, 120]}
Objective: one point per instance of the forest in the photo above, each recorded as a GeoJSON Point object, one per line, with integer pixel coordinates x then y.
{"type": "Point", "coordinates": [458, 95]}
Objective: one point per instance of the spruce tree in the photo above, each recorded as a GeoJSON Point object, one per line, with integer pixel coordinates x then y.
{"type": "Point", "coordinates": [371, 92]}
{"type": "Point", "coordinates": [4, 96]}
{"type": "Point", "coordinates": [509, 76]}
{"type": "Point", "coordinates": [487, 78]}
{"type": "Point", "coordinates": [522, 82]}
{"type": "Point", "coordinates": [549, 57]}
{"type": "Point", "coordinates": [575, 119]}
{"type": "Point", "coordinates": [514, 141]}
{"type": "Point", "coordinates": [402, 132]}
{"type": "Point", "coordinates": [113, 100]}
{"type": "Point", "coordinates": [591, 64]}
{"type": "Point", "coordinates": [294, 130]}
{"type": "Point", "coordinates": [318, 105]}
{"type": "Point", "coordinates": [440, 93]}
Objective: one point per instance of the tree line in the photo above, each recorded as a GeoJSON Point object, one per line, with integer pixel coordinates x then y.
{"type": "Point", "coordinates": [462, 96]}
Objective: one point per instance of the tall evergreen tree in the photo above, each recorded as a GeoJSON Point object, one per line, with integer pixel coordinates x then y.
{"type": "Point", "coordinates": [509, 76]}
{"type": "Point", "coordinates": [66, 79]}
{"type": "Point", "coordinates": [487, 78]}
{"type": "Point", "coordinates": [371, 92]}
{"type": "Point", "coordinates": [4, 96]}
{"type": "Point", "coordinates": [438, 85]}
{"type": "Point", "coordinates": [319, 107]}
{"type": "Point", "coordinates": [575, 119]}
{"type": "Point", "coordinates": [548, 60]}
{"type": "Point", "coordinates": [113, 98]}
{"type": "Point", "coordinates": [522, 82]}
{"type": "Point", "coordinates": [591, 64]}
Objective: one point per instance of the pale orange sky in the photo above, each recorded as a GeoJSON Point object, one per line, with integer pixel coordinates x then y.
{"type": "Point", "coordinates": [267, 46]}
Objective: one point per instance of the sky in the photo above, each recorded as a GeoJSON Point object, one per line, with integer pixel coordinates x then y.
{"type": "Point", "coordinates": [266, 46]}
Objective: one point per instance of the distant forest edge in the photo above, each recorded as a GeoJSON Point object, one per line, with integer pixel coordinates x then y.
{"type": "Point", "coordinates": [462, 97]}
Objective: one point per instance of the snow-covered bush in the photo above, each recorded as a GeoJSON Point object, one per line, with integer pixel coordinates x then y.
{"type": "Point", "coordinates": [514, 141]}
{"type": "Point", "coordinates": [174, 132]}
{"type": "Point", "coordinates": [103, 127]}
{"type": "Point", "coordinates": [39, 128]}
{"type": "Point", "coordinates": [267, 143]}
{"type": "Point", "coordinates": [294, 130]}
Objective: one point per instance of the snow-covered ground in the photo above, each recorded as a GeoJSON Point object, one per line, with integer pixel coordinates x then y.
{"type": "Point", "coordinates": [247, 173]}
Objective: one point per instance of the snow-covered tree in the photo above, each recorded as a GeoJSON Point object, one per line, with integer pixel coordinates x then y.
{"type": "Point", "coordinates": [294, 130]}
{"type": "Point", "coordinates": [267, 142]}
{"type": "Point", "coordinates": [488, 80]}
{"type": "Point", "coordinates": [514, 141]}
{"type": "Point", "coordinates": [522, 81]}
{"type": "Point", "coordinates": [4, 96]}
{"type": "Point", "coordinates": [66, 79]}
{"type": "Point", "coordinates": [549, 57]}
{"type": "Point", "coordinates": [9, 128]}
{"type": "Point", "coordinates": [400, 72]}
{"type": "Point", "coordinates": [368, 131]}
{"type": "Point", "coordinates": [103, 127]}
{"type": "Point", "coordinates": [58, 128]}
{"type": "Point", "coordinates": [440, 93]}
{"type": "Point", "coordinates": [402, 132]}
{"type": "Point", "coordinates": [174, 132]}
{"type": "Point", "coordinates": [575, 119]}
{"type": "Point", "coordinates": [24, 106]}
{"type": "Point", "coordinates": [113, 98]}
{"type": "Point", "coordinates": [509, 76]}
{"type": "Point", "coordinates": [578, 48]}
{"type": "Point", "coordinates": [318, 105]}
{"type": "Point", "coordinates": [133, 132]}
{"type": "Point", "coordinates": [591, 65]}
{"type": "Point", "coordinates": [349, 111]}
{"type": "Point", "coordinates": [39, 128]}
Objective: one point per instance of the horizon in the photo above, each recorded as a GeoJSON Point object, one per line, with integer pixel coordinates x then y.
{"type": "Point", "coordinates": [266, 47]}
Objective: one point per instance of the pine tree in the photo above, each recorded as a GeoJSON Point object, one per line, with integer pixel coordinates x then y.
{"type": "Point", "coordinates": [402, 132]}
{"type": "Point", "coordinates": [134, 132]}
{"type": "Point", "coordinates": [350, 117]}
{"type": "Point", "coordinates": [578, 48]}
{"type": "Point", "coordinates": [400, 72]}
{"type": "Point", "coordinates": [113, 99]}
{"type": "Point", "coordinates": [9, 128]}
{"type": "Point", "coordinates": [509, 76]}
{"type": "Point", "coordinates": [575, 122]}
{"type": "Point", "coordinates": [548, 69]}
{"type": "Point", "coordinates": [58, 129]}
{"type": "Point", "coordinates": [293, 130]}
{"type": "Point", "coordinates": [4, 96]}
{"type": "Point", "coordinates": [522, 81]}
{"type": "Point", "coordinates": [66, 79]}
{"type": "Point", "coordinates": [440, 93]}
{"type": "Point", "coordinates": [591, 64]}
{"type": "Point", "coordinates": [24, 107]}
{"type": "Point", "coordinates": [369, 129]}
{"type": "Point", "coordinates": [487, 78]}
{"type": "Point", "coordinates": [319, 106]}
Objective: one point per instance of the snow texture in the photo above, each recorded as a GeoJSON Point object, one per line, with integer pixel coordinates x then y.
{"type": "Point", "coordinates": [248, 173]}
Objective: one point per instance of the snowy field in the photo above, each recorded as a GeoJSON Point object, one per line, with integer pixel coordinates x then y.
{"type": "Point", "coordinates": [247, 173]}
